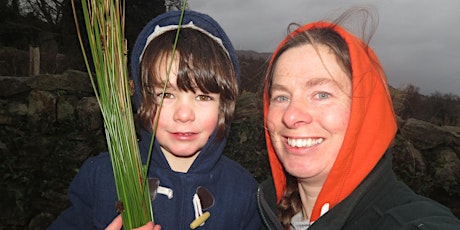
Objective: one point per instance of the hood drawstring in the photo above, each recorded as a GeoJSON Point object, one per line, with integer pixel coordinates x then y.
{"type": "Point", "coordinates": [324, 208]}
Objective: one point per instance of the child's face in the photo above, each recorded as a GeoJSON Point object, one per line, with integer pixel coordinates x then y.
{"type": "Point", "coordinates": [187, 119]}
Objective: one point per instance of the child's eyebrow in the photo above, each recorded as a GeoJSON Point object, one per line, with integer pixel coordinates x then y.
{"type": "Point", "coordinates": [162, 84]}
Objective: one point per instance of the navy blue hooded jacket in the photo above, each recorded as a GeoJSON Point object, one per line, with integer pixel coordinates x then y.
{"type": "Point", "coordinates": [92, 193]}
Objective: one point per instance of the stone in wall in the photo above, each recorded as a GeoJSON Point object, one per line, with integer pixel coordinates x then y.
{"type": "Point", "coordinates": [425, 135]}
{"type": "Point", "coordinates": [89, 115]}
{"type": "Point", "coordinates": [42, 111]}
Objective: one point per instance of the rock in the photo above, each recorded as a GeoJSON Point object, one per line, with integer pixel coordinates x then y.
{"type": "Point", "coordinates": [69, 81]}
{"type": "Point", "coordinates": [455, 134]}
{"type": "Point", "coordinates": [424, 135]}
{"type": "Point", "coordinates": [409, 165]}
{"type": "Point", "coordinates": [80, 80]}
{"type": "Point", "coordinates": [3, 148]}
{"type": "Point", "coordinates": [447, 169]}
{"type": "Point", "coordinates": [399, 122]}
{"type": "Point", "coordinates": [10, 86]}
{"type": "Point", "coordinates": [41, 221]}
{"type": "Point", "coordinates": [42, 110]}
{"type": "Point", "coordinates": [66, 108]}
{"type": "Point", "coordinates": [89, 114]}
{"type": "Point", "coordinates": [6, 120]}
{"type": "Point", "coordinates": [17, 108]}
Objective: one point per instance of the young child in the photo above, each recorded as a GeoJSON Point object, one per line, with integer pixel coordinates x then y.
{"type": "Point", "coordinates": [187, 162]}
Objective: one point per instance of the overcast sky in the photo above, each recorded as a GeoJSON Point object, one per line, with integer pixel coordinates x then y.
{"type": "Point", "coordinates": [417, 41]}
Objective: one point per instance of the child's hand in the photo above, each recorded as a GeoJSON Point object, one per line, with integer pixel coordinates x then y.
{"type": "Point", "coordinates": [117, 223]}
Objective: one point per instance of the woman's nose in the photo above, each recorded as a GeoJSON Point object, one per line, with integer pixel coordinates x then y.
{"type": "Point", "coordinates": [297, 114]}
{"type": "Point", "coordinates": [184, 111]}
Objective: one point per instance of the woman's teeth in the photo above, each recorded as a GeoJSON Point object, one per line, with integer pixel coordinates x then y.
{"type": "Point", "coordinates": [304, 142]}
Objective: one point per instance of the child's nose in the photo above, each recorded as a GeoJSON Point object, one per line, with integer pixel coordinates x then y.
{"type": "Point", "coordinates": [184, 112]}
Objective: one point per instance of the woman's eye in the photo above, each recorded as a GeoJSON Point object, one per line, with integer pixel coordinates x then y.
{"type": "Point", "coordinates": [323, 95]}
{"type": "Point", "coordinates": [204, 98]}
{"type": "Point", "coordinates": [280, 99]}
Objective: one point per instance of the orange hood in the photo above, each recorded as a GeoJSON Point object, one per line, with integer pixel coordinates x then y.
{"type": "Point", "coordinates": [371, 128]}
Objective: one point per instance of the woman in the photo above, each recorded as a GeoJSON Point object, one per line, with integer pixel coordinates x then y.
{"type": "Point", "coordinates": [330, 121]}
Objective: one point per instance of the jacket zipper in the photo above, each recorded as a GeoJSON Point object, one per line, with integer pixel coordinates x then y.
{"type": "Point", "coordinates": [266, 221]}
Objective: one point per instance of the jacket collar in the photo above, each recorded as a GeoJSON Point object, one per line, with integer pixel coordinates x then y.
{"type": "Point", "coordinates": [206, 160]}
{"type": "Point", "coordinates": [337, 217]}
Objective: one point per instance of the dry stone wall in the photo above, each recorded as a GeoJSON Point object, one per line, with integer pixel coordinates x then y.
{"type": "Point", "coordinates": [49, 124]}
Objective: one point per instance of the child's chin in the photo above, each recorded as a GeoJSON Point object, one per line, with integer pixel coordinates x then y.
{"type": "Point", "coordinates": [185, 154]}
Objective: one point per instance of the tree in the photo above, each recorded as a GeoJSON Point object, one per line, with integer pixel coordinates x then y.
{"type": "Point", "coordinates": [411, 103]}
{"type": "Point", "coordinates": [18, 27]}
{"type": "Point", "coordinates": [138, 14]}
{"type": "Point", "coordinates": [445, 108]}
{"type": "Point", "coordinates": [48, 11]}
{"type": "Point", "coordinates": [174, 4]}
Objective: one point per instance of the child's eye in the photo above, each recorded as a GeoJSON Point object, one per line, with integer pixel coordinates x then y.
{"type": "Point", "coordinates": [204, 98]}
{"type": "Point", "coordinates": [165, 95]}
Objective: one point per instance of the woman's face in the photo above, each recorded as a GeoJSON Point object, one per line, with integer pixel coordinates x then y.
{"type": "Point", "coordinates": [309, 109]}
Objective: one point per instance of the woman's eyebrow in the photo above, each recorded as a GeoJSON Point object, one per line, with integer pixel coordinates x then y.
{"type": "Point", "coordinates": [276, 86]}
{"type": "Point", "coordinates": [310, 83]}
{"type": "Point", "coordinates": [320, 81]}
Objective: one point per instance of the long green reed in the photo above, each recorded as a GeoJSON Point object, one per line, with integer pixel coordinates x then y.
{"type": "Point", "coordinates": [104, 20]}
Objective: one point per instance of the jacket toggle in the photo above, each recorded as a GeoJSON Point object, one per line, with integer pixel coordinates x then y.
{"type": "Point", "coordinates": [155, 188]}
{"type": "Point", "coordinates": [202, 200]}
